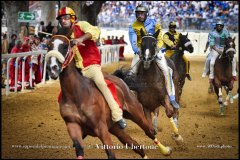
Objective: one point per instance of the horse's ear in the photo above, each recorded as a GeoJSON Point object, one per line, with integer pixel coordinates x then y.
{"type": "Point", "coordinates": [180, 35]}
{"type": "Point", "coordinates": [142, 33]}
{"type": "Point", "coordinates": [156, 33]}
{"type": "Point", "coordinates": [187, 34]}
{"type": "Point", "coordinates": [234, 38]}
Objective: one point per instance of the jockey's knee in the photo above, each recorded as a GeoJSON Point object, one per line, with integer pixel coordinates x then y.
{"type": "Point", "coordinates": [212, 64]}
{"type": "Point", "coordinates": [101, 84]}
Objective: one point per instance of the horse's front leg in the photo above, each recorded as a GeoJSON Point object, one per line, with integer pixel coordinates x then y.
{"type": "Point", "coordinates": [75, 133]}
{"type": "Point", "coordinates": [220, 99]}
{"type": "Point", "coordinates": [229, 96]}
{"type": "Point", "coordinates": [145, 123]}
{"type": "Point", "coordinates": [155, 119]}
{"type": "Point", "coordinates": [229, 93]}
{"type": "Point", "coordinates": [102, 132]}
{"type": "Point", "coordinates": [173, 120]}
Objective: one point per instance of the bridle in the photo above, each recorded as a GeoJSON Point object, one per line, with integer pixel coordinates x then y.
{"type": "Point", "coordinates": [155, 54]}
{"type": "Point", "coordinates": [226, 51]}
{"type": "Point", "coordinates": [55, 53]}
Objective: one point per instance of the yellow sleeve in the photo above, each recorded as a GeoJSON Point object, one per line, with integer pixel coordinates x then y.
{"type": "Point", "coordinates": [167, 41]}
{"type": "Point", "coordinates": [88, 28]}
{"type": "Point", "coordinates": [160, 40]}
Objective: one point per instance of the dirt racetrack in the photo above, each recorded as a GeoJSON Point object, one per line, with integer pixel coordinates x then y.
{"type": "Point", "coordinates": [33, 128]}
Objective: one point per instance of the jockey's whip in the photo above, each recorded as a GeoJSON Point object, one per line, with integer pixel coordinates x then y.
{"type": "Point", "coordinates": [37, 31]}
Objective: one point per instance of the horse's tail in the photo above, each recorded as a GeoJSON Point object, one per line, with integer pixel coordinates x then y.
{"type": "Point", "coordinates": [120, 74]}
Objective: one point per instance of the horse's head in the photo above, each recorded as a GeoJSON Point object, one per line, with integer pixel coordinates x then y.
{"type": "Point", "coordinates": [229, 49]}
{"type": "Point", "coordinates": [148, 48]}
{"type": "Point", "coordinates": [60, 53]}
{"type": "Point", "coordinates": [185, 43]}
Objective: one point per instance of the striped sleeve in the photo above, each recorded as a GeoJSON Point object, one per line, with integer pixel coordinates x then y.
{"type": "Point", "coordinates": [88, 28]}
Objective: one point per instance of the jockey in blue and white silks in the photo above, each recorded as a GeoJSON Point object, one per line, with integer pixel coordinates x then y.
{"type": "Point", "coordinates": [150, 26]}
{"type": "Point", "coordinates": [217, 42]}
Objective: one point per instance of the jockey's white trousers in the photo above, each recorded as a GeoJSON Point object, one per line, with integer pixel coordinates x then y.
{"type": "Point", "coordinates": [212, 62]}
{"type": "Point", "coordinates": [167, 72]}
{"type": "Point", "coordinates": [207, 63]}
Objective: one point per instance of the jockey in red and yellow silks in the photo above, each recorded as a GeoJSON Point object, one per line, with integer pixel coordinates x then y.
{"type": "Point", "coordinates": [88, 57]}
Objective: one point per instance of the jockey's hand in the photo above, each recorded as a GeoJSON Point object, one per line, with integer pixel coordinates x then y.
{"type": "Point", "coordinates": [138, 53]}
{"type": "Point", "coordinates": [78, 42]}
{"type": "Point", "coordinates": [219, 51]}
{"type": "Point", "coordinates": [157, 49]}
{"type": "Point", "coordinates": [174, 46]}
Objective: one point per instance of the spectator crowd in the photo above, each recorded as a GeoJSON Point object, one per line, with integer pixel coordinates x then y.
{"type": "Point", "coordinates": [29, 43]}
{"type": "Point", "coordinates": [199, 15]}
{"type": "Point", "coordinates": [111, 40]}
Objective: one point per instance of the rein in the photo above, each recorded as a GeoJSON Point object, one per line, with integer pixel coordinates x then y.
{"type": "Point", "coordinates": [226, 52]}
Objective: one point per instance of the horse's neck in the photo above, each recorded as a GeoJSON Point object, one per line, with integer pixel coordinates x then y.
{"type": "Point", "coordinates": [224, 60]}
{"type": "Point", "coordinates": [179, 49]}
{"type": "Point", "coordinates": [69, 77]}
{"type": "Point", "coordinates": [152, 74]}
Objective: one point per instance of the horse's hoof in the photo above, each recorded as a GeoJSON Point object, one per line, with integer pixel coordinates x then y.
{"type": "Point", "coordinates": [231, 100]}
{"type": "Point", "coordinates": [225, 103]}
{"type": "Point", "coordinates": [168, 151]}
{"type": "Point", "coordinates": [80, 157]}
{"type": "Point", "coordinates": [145, 157]}
{"type": "Point", "coordinates": [177, 138]}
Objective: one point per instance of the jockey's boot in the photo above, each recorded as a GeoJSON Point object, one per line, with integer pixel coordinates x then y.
{"type": "Point", "coordinates": [122, 123]}
{"type": "Point", "coordinates": [204, 75]}
{"type": "Point", "coordinates": [188, 77]}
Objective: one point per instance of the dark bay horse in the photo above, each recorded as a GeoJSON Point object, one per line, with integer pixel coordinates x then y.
{"type": "Point", "coordinates": [184, 44]}
{"type": "Point", "coordinates": [149, 84]}
{"type": "Point", "coordinates": [83, 107]}
{"type": "Point", "coordinates": [223, 72]}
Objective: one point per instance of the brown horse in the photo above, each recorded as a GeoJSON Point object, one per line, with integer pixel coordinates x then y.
{"type": "Point", "coordinates": [223, 72]}
{"type": "Point", "coordinates": [149, 84]}
{"type": "Point", "coordinates": [184, 44]}
{"type": "Point", "coordinates": [83, 107]}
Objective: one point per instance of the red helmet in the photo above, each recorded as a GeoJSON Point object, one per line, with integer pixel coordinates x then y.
{"type": "Point", "coordinates": [66, 11]}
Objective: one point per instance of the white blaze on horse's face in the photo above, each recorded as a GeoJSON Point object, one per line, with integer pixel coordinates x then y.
{"type": "Point", "coordinates": [53, 62]}
{"type": "Point", "coordinates": [147, 52]}
{"type": "Point", "coordinates": [56, 44]}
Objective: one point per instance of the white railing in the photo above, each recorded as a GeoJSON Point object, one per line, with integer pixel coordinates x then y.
{"type": "Point", "coordinates": [23, 56]}
{"type": "Point", "coordinates": [109, 54]}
